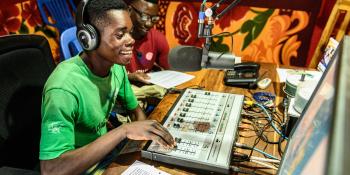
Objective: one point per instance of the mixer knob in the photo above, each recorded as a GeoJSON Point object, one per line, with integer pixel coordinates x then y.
{"type": "Point", "coordinates": [180, 120]}
{"type": "Point", "coordinates": [177, 140]}
{"type": "Point", "coordinates": [176, 125]}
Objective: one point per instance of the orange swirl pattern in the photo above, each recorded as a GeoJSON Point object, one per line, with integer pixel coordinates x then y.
{"type": "Point", "coordinates": [278, 42]}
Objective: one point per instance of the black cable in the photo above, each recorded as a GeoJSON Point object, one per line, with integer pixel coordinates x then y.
{"type": "Point", "coordinates": [280, 146]}
{"type": "Point", "coordinates": [231, 48]}
{"type": "Point", "coordinates": [277, 116]}
{"type": "Point", "coordinates": [252, 115]}
{"type": "Point", "coordinates": [263, 136]}
{"type": "Point", "coordinates": [258, 128]}
{"type": "Point", "coordinates": [256, 142]}
{"type": "Point", "coordinates": [239, 157]}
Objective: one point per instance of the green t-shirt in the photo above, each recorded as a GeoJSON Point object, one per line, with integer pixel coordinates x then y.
{"type": "Point", "coordinates": [76, 105]}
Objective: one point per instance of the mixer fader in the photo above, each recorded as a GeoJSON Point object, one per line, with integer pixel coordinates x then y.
{"type": "Point", "coordinates": [204, 125]}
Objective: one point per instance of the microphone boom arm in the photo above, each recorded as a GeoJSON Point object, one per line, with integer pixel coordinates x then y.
{"type": "Point", "coordinates": [234, 3]}
{"type": "Point", "coordinates": [216, 6]}
{"type": "Point", "coordinates": [207, 31]}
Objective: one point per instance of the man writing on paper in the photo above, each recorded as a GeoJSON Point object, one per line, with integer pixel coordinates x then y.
{"type": "Point", "coordinates": [151, 47]}
{"type": "Point", "coordinates": [150, 53]}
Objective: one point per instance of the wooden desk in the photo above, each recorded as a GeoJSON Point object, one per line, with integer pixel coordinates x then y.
{"type": "Point", "coordinates": [210, 80]}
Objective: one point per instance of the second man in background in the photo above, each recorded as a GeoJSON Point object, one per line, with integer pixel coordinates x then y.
{"type": "Point", "coordinates": [151, 47]}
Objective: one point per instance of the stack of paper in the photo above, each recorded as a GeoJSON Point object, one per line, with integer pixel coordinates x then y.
{"type": "Point", "coordinates": [168, 78]}
{"type": "Point", "coordinates": [140, 168]}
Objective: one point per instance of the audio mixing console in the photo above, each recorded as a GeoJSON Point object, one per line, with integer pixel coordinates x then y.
{"type": "Point", "coordinates": [204, 125]}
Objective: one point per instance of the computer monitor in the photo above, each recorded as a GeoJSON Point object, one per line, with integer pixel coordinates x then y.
{"type": "Point", "coordinates": [318, 143]}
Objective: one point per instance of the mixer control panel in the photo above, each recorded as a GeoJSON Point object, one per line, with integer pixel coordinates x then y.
{"type": "Point", "coordinates": [204, 125]}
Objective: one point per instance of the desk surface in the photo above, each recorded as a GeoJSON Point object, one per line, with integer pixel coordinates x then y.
{"type": "Point", "coordinates": [211, 80]}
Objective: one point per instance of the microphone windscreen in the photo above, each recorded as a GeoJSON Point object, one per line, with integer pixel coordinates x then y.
{"type": "Point", "coordinates": [185, 58]}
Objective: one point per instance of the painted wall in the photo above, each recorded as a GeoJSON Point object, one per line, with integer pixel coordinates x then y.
{"type": "Point", "coordinates": [23, 17]}
{"type": "Point", "coordinates": [268, 31]}
{"type": "Point", "coordinates": [271, 31]}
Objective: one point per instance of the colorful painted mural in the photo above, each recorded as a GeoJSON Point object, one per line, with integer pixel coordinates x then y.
{"type": "Point", "coordinates": [259, 34]}
{"type": "Point", "coordinates": [271, 31]}
{"type": "Point", "coordinates": [23, 17]}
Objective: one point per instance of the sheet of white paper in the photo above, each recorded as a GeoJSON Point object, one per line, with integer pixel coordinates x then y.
{"type": "Point", "coordinates": [283, 73]}
{"type": "Point", "coordinates": [140, 168]}
{"type": "Point", "coordinates": [168, 78]}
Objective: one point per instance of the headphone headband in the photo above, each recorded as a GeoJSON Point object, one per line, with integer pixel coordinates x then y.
{"type": "Point", "coordinates": [79, 19]}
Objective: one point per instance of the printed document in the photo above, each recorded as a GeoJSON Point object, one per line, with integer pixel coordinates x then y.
{"type": "Point", "coordinates": [140, 168]}
{"type": "Point", "coordinates": [168, 78]}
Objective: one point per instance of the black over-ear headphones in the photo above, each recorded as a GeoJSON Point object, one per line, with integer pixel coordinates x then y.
{"type": "Point", "coordinates": [86, 33]}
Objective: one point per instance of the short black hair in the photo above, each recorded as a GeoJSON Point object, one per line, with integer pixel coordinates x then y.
{"type": "Point", "coordinates": [97, 10]}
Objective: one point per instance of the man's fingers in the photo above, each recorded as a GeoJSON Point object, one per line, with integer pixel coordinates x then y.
{"type": "Point", "coordinates": [164, 134]}
{"type": "Point", "coordinates": [151, 130]}
{"type": "Point", "coordinates": [145, 81]}
{"type": "Point", "coordinates": [142, 77]}
{"type": "Point", "coordinates": [160, 141]}
{"type": "Point", "coordinates": [162, 128]}
{"type": "Point", "coordinates": [145, 76]}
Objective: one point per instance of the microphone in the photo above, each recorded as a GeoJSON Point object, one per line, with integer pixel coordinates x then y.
{"type": "Point", "coordinates": [189, 58]}
{"type": "Point", "coordinates": [185, 58]}
{"type": "Point", "coordinates": [219, 60]}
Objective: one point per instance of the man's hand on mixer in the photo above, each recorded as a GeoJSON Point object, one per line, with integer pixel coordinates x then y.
{"type": "Point", "coordinates": [149, 130]}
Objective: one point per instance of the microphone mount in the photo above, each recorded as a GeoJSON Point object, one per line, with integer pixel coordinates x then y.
{"type": "Point", "coordinates": [206, 31]}
{"type": "Point", "coordinates": [228, 8]}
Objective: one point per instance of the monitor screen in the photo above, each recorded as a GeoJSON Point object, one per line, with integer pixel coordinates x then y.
{"type": "Point", "coordinates": [307, 148]}
{"type": "Point", "coordinates": [338, 161]}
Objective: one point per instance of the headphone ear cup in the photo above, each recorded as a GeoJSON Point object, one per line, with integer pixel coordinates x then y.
{"type": "Point", "coordinates": [88, 37]}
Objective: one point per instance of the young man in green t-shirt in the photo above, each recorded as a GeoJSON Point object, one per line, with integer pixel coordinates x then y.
{"type": "Point", "coordinates": [80, 94]}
